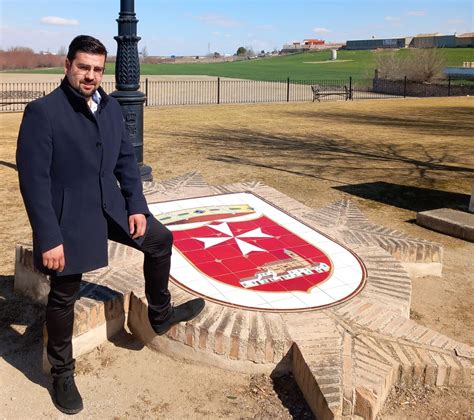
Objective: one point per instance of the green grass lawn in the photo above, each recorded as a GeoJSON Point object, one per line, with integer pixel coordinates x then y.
{"type": "Point", "coordinates": [359, 65]}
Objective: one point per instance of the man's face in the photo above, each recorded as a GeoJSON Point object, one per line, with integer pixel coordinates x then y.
{"type": "Point", "coordinates": [85, 72]}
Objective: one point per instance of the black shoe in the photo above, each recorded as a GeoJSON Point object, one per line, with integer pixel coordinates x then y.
{"type": "Point", "coordinates": [181, 313]}
{"type": "Point", "coordinates": [66, 395]}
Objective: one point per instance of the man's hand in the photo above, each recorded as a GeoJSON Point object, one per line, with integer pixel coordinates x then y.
{"type": "Point", "coordinates": [54, 258]}
{"type": "Point", "coordinates": [137, 225]}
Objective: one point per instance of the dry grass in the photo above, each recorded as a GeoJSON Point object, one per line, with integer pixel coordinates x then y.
{"type": "Point", "coordinates": [304, 150]}
{"type": "Point", "coordinates": [307, 148]}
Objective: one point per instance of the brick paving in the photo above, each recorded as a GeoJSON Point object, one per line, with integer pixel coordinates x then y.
{"type": "Point", "coordinates": [345, 358]}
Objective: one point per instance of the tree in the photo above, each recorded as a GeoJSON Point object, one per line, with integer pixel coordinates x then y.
{"type": "Point", "coordinates": [250, 52]}
{"type": "Point", "coordinates": [421, 65]}
{"type": "Point", "coordinates": [241, 51]}
{"type": "Point", "coordinates": [427, 64]}
{"type": "Point", "coordinates": [21, 50]}
{"type": "Point", "coordinates": [143, 53]}
{"type": "Point", "coordinates": [62, 51]}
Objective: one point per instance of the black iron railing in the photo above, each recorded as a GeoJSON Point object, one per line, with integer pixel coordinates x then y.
{"type": "Point", "coordinates": [14, 96]}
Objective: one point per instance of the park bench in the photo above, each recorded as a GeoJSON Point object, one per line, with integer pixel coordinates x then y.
{"type": "Point", "coordinates": [323, 91]}
{"type": "Point", "coordinates": [13, 97]}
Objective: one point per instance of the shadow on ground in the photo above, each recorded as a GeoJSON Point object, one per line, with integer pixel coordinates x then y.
{"type": "Point", "coordinates": [428, 120]}
{"type": "Point", "coordinates": [21, 329]}
{"type": "Point", "coordinates": [332, 158]}
{"type": "Point", "coordinates": [291, 397]}
{"type": "Point", "coordinates": [8, 165]}
{"type": "Point", "coordinates": [21, 332]}
{"type": "Point", "coordinates": [406, 197]}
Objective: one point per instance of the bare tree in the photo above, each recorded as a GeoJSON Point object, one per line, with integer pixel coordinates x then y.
{"type": "Point", "coordinates": [143, 54]}
{"type": "Point", "coordinates": [19, 49]}
{"type": "Point", "coordinates": [249, 51]}
{"type": "Point", "coordinates": [62, 51]}
{"type": "Point", "coordinates": [25, 58]}
{"type": "Point", "coordinates": [422, 65]}
{"type": "Point", "coordinates": [426, 64]}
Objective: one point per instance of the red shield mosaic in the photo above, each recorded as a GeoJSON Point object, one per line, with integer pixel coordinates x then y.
{"type": "Point", "coordinates": [240, 250]}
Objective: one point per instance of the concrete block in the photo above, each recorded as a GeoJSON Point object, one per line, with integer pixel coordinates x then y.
{"type": "Point", "coordinates": [366, 404]}
{"type": "Point", "coordinates": [448, 221]}
{"type": "Point", "coordinates": [416, 270]}
{"type": "Point", "coordinates": [309, 386]}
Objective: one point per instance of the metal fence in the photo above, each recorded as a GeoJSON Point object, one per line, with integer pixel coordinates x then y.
{"type": "Point", "coordinates": [229, 91]}
{"type": "Point", "coordinates": [15, 96]}
{"type": "Point", "coordinates": [440, 87]}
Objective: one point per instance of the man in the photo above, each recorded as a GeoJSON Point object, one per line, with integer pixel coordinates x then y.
{"type": "Point", "coordinates": [81, 184]}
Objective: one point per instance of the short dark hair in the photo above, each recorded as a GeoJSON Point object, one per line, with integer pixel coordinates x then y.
{"type": "Point", "coordinates": [87, 44]}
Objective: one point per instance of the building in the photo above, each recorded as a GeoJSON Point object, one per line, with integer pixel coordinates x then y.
{"type": "Point", "coordinates": [434, 40]}
{"type": "Point", "coordinates": [309, 45]}
{"type": "Point", "coordinates": [293, 267]}
{"type": "Point", "coordinates": [372, 44]}
{"type": "Point", "coordinates": [313, 42]}
{"type": "Point", "coordinates": [465, 40]}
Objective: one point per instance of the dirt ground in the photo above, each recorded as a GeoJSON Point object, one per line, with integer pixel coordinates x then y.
{"type": "Point", "coordinates": [391, 157]}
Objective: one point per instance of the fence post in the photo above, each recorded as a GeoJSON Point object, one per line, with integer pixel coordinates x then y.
{"type": "Point", "coordinates": [218, 90]}
{"type": "Point", "coordinates": [350, 88]}
{"type": "Point", "coordinates": [405, 87]}
{"type": "Point", "coordinates": [449, 85]}
{"type": "Point", "coordinates": [288, 90]}
{"type": "Point", "coordinates": [146, 91]}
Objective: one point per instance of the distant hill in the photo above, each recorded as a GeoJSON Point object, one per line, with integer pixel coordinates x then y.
{"type": "Point", "coordinates": [303, 66]}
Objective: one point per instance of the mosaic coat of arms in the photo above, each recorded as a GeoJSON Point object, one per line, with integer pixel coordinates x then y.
{"type": "Point", "coordinates": [240, 250]}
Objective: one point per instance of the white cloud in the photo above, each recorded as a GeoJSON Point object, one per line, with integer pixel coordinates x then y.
{"type": "Point", "coordinates": [417, 13]}
{"type": "Point", "coordinates": [215, 19]}
{"type": "Point", "coordinates": [321, 30]}
{"type": "Point", "coordinates": [392, 19]}
{"type": "Point", "coordinates": [59, 21]}
{"type": "Point", "coordinates": [37, 39]}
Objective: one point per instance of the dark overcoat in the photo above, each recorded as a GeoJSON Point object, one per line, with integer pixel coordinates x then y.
{"type": "Point", "coordinates": [73, 168]}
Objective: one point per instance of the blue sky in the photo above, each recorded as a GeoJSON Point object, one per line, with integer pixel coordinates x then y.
{"type": "Point", "coordinates": [192, 27]}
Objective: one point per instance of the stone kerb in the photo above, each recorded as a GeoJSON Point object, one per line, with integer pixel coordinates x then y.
{"type": "Point", "coordinates": [345, 358]}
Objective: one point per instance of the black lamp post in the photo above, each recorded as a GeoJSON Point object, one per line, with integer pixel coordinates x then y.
{"type": "Point", "coordinates": [127, 81]}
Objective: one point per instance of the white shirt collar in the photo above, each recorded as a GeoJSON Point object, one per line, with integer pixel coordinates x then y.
{"type": "Point", "coordinates": [94, 104]}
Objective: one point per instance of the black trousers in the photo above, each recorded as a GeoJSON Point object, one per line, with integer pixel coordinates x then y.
{"type": "Point", "coordinates": [64, 291]}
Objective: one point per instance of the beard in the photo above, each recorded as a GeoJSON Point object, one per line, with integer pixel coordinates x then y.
{"type": "Point", "coordinates": [87, 93]}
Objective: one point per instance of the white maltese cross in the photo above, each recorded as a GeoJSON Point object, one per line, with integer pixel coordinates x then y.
{"type": "Point", "coordinates": [245, 247]}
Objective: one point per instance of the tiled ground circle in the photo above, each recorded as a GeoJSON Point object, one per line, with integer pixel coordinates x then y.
{"type": "Point", "coordinates": [345, 358]}
{"type": "Point", "coordinates": [239, 250]}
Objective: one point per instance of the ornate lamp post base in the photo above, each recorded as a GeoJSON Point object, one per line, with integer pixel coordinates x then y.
{"type": "Point", "coordinates": [127, 79]}
{"type": "Point", "coordinates": [132, 103]}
